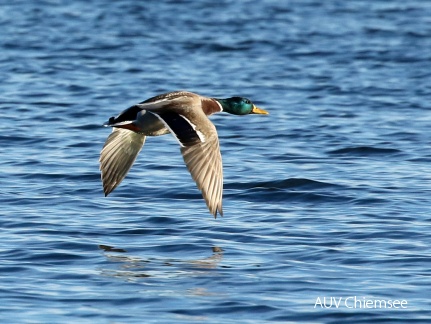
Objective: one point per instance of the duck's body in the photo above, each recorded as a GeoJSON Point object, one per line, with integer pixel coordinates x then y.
{"type": "Point", "coordinates": [184, 114]}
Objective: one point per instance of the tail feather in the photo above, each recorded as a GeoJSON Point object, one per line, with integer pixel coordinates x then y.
{"type": "Point", "coordinates": [125, 117]}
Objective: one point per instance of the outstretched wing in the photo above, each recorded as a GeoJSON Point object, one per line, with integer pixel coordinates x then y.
{"type": "Point", "coordinates": [118, 155]}
{"type": "Point", "coordinates": [205, 165]}
{"type": "Point", "coordinates": [201, 151]}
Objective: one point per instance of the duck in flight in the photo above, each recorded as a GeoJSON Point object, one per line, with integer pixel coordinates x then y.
{"type": "Point", "coordinates": [184, 115]}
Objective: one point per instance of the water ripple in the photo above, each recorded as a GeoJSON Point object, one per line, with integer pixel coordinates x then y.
{"type": "Point", "coordinates": [328, 195]}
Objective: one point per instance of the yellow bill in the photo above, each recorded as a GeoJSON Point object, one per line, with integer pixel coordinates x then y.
{"type": "Point", "coordinates": [257, 110]}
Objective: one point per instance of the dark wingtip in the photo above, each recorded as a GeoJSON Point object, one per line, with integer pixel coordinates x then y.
{"type": "Point", "coordinates": [213, 212]}
{"type": "Point", "coordinates": [220, 212]}
{"type": "Point", "coordinates": [107, 191]}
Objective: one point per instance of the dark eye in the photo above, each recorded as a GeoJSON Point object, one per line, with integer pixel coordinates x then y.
{"type": "Point", "coordinates": [247, 101]}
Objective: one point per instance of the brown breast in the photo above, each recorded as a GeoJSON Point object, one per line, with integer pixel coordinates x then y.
{"type": "Point", "coordinates": [210, 106]}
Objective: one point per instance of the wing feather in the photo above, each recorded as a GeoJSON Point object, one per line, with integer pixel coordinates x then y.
{"type": "Point", "coordinates": [205, 166]}
{"type": "Point", "coordinates": [118, 155]}
{"type": "Point", "coordinates": [201, 152]}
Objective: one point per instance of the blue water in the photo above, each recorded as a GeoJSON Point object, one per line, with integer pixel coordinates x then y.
{"type": "Point", "coordinates": [328, 196]}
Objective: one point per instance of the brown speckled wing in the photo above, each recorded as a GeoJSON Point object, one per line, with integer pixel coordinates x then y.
{"type": "Point", "coordinates": [118, 155]}
{"type": "Point", "coordinates": [205, 165]}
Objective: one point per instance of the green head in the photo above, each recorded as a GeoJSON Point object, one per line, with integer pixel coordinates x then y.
{"type": "Point", "coordinates": [240, 106]}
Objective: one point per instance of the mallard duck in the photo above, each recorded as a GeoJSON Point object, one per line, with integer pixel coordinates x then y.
{"type": "Point", "coordinates": [184, 115]}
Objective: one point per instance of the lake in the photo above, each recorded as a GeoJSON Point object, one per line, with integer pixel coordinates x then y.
{"type": "Point", "coordinates": [326, 200]}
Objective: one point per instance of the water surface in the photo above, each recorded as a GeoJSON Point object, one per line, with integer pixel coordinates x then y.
{"type": "Point", "coordinates": [328, 196]}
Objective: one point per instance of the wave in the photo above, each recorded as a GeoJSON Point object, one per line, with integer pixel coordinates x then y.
{"type": "Point", "coordinates": [364, 151]}
{"type": "Point", "coordinates": [290, 183]}
{"type": "Point", "coordinates": [300, 189]}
